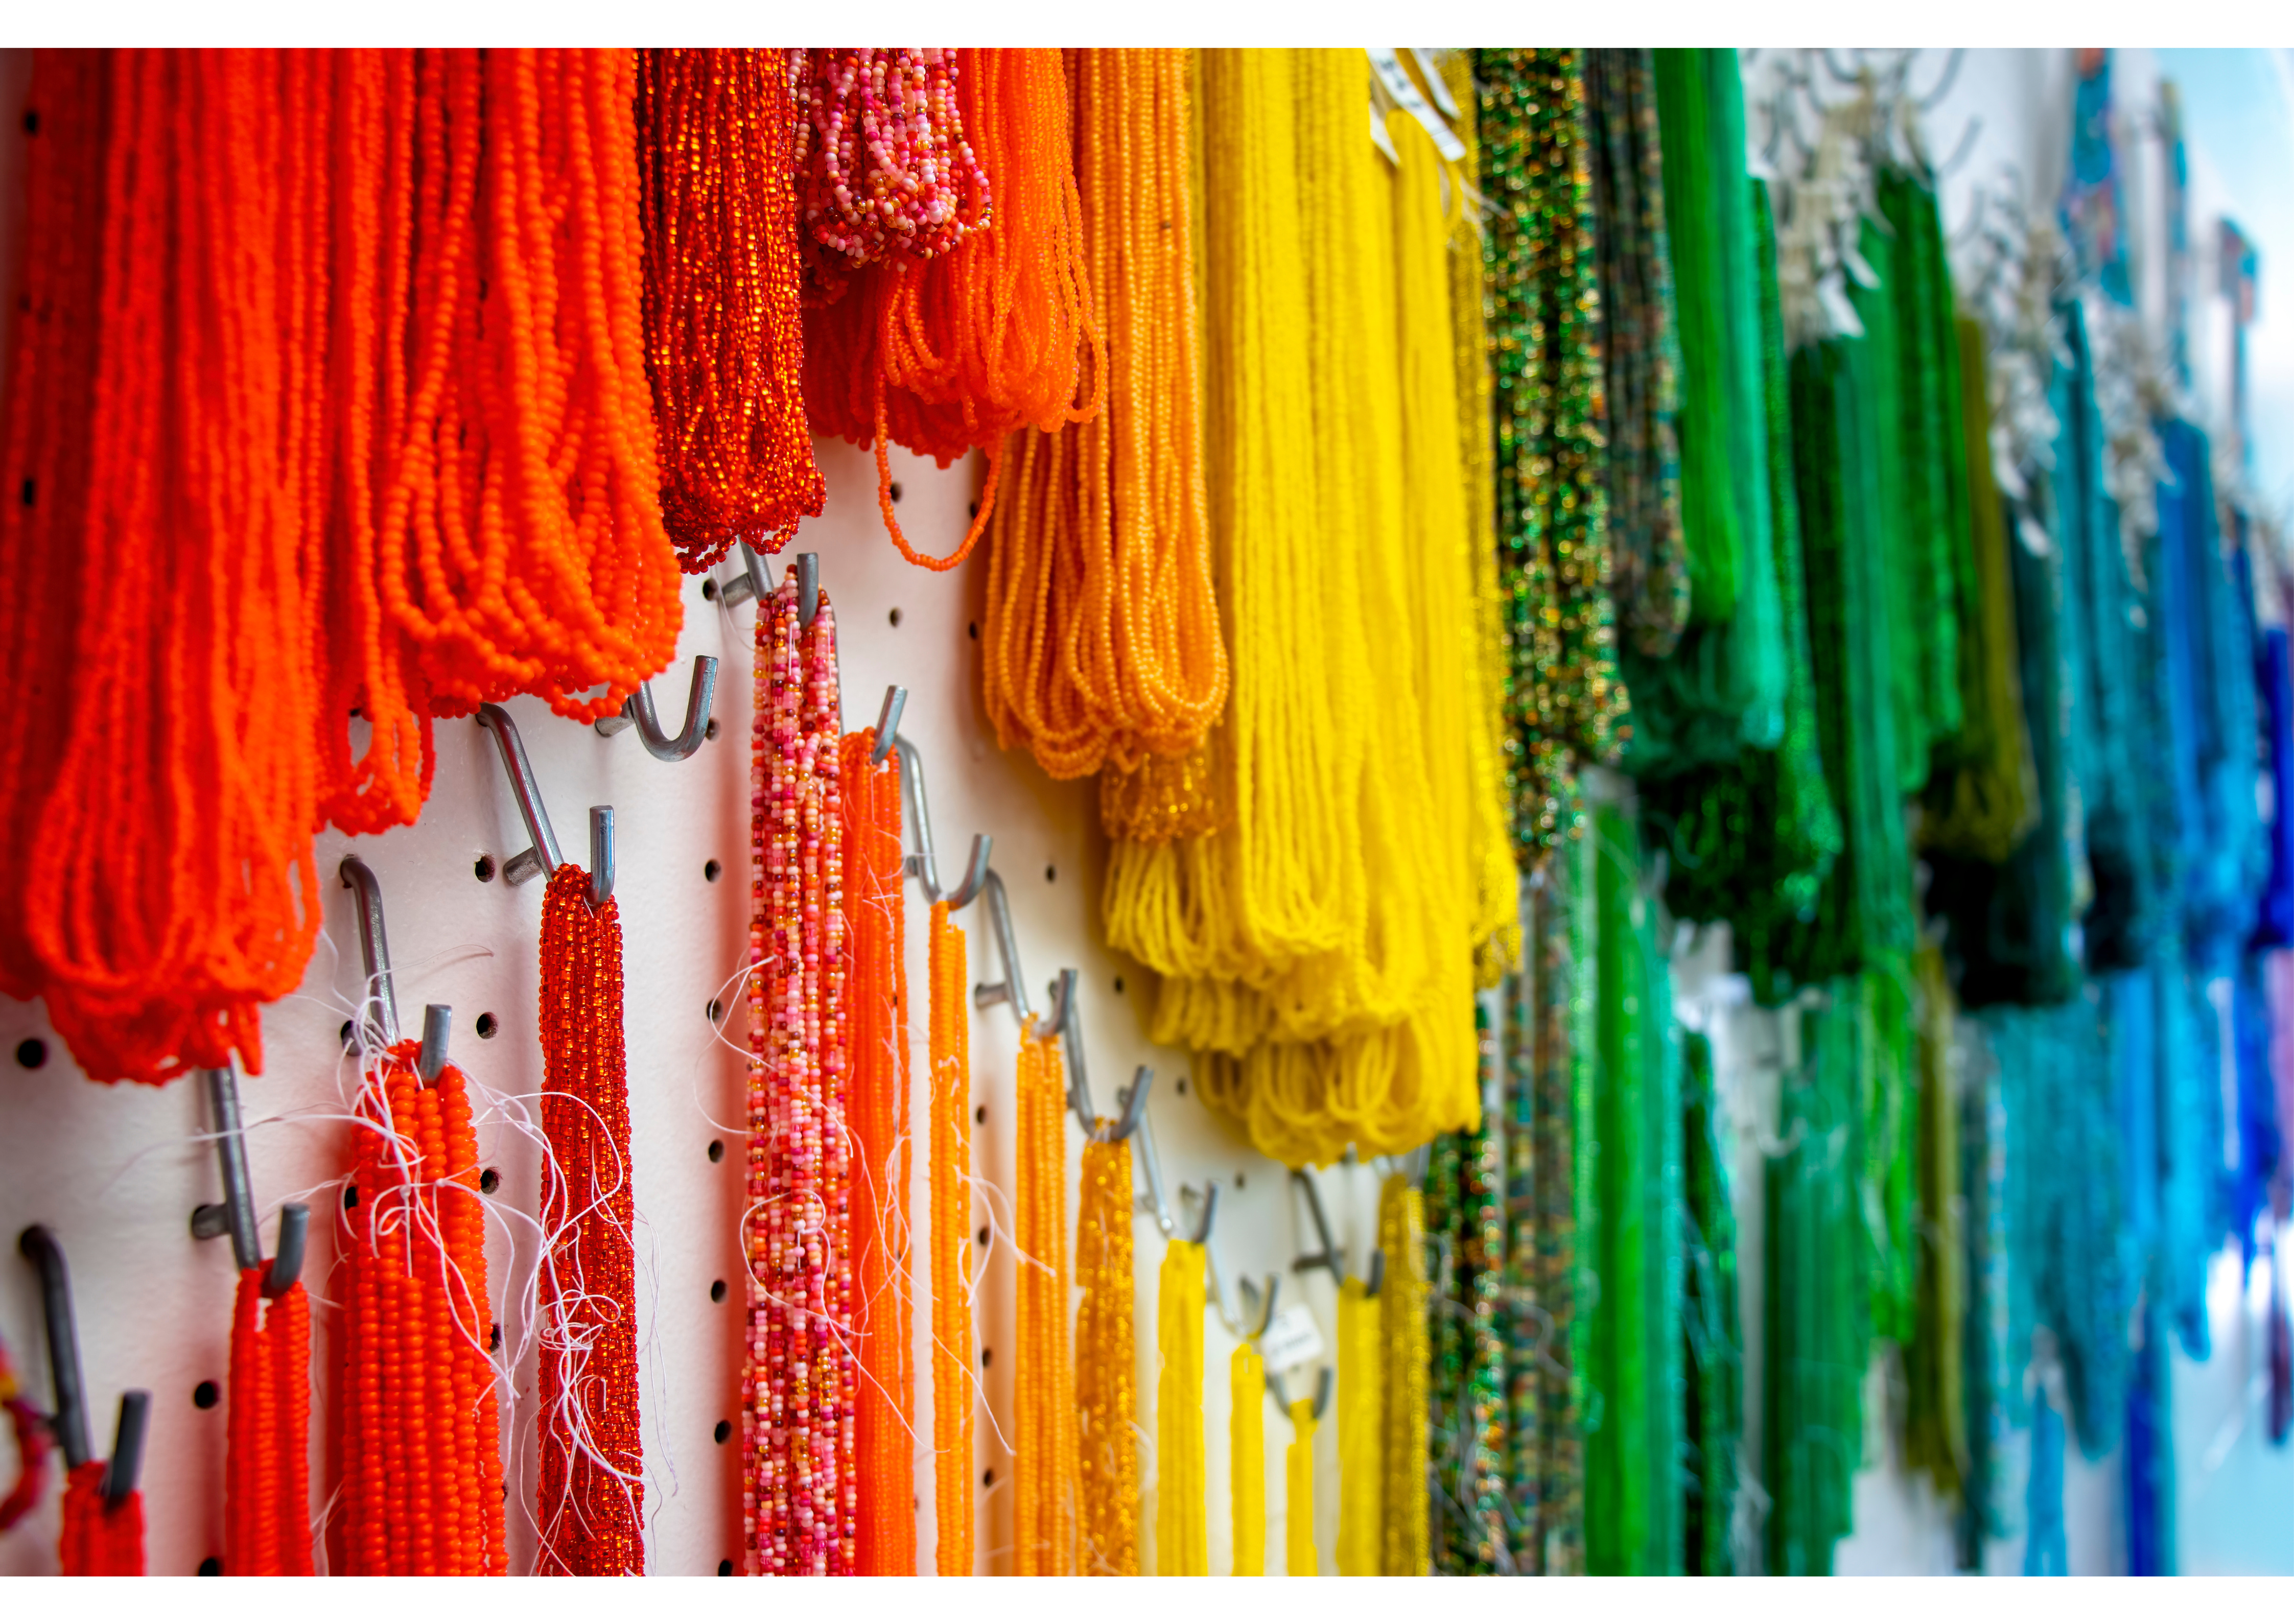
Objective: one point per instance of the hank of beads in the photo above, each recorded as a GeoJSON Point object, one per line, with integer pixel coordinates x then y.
{"type": "Point", "coordinates": [955, 1394]}
{"type": "Point", "coordinates": [266, 1460]}
{"type": "Point", "coordinates": [799, 1495]}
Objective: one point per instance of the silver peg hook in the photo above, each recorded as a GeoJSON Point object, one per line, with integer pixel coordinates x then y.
{"type": "Point", "coordinates": [543, 857]}
{"type": "Point", "coordinates": [637, 711]}
{"type": "Point", "coordinates": [379, 1008]}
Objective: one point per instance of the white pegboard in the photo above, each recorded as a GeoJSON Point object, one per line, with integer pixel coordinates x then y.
{"type": "Point", "coordinates": [116, 1172]}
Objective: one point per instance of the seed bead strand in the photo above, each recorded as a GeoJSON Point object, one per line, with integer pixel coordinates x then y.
{"type": "Point", "coordinates": [955, 1393]}
{"type": "Point", "coordinates": [724, 339]}
{"type": "Point", "coordinates": [1182, 1506]}
{"type": "Point", "coordinates": [1106, 1365]}
{"type": "Point", "coordinates": [591, 1455]}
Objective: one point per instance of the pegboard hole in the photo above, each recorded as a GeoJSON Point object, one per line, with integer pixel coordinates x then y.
{"type": "Point", "coordinates": [709, 588]}
{"type": "Point", "coordinates": [979, 1114]}
{"type": "Point", "coordinates": [972, 627]}
{"type": "Point", "coordinates": [724, 1431]}
{"type": "Point", "coordinates": [972, 510]}
{"type": "Point", "coordinates": [983, 1234]}
{"type": "Point", "coordinates": [483, 868]}
{"type": "Point", "coordinates": [716, 1149]}
{"type": "Point", "coordinates": [711, 870]}
{"type": "Point", "coordinates": [494, 1338]}
{"type": "Point", "coordinates": [893, 490]}
{"type": "Point", "coordinates": [716, 1291]}
{"type": "Point", "coordinates": [350, 1198]}
{"type": "Point", "coordinates": [207, 1395]}
{"type": "Point", "coordinates": [1238, 1181]}
{"type": "Point", "coordinates": [1118, 986]}
{"type": "Point", "coordinates": [725, 1568]}
{"type": "Point", "coordinates": [710, 731]}
{"type": "Point", "coordinates": [1183, 1085]}
{"type": "Point", "coordinates": [487, 1025]}
{"type": "Point", "coordinates": [1050, 873]}
{"type": "Point", "coordinates": [489, 1181]}
{"type": "Point", "coordinates": [894, 617]}
{"type": "Point", "coordinates": [211, 1567]}
{"type": "Point", "coordinates": [716, 1011]}
{"type": "Point", "coordinates": [987, 1478]}
{"type": "Point", "coordinates": [348, 1027]}
{"type": "Point", "coordinates": [987, 1358]}
{"type": "Point", "coordinates": [31, 1054]}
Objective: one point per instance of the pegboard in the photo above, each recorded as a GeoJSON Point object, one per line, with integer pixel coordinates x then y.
{"type": "Point", "coordinates": [115, 1171]}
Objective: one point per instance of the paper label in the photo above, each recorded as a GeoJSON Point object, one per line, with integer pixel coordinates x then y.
{"type": "Point", "coordinates": [1443, 99]}
{"type": "Point", "coordinates": [1380, 139]}
{"type": "Point", "coordinates": [1398, 82]}
{"type": "Point", "coordinates": [1294, 1339]}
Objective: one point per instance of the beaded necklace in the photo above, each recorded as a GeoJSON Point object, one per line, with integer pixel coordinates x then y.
{"type": "Point", "coordinates": [1362, 1429]}
{"type": "Point", "coordinates": [1724, 688]}
{"type": "Point", "coordinates": [1640, 351]}
{"type": "Point", "coordinates": [1106, 1360]}
{"type": "Point", "coordinates": [1045, 1466]}
{"type": "Point", "coordinates": [266, 1460]}
{"type": "Point", "coordinates": [1566, 703]}
{"type": "Point", "coordinates": [422, 1476]}
{"type": "Point", "coordinates": [1750, 841]}
{"type": "Point", "coordinates": [1181, 1490]}
{"type": "Point", "coordinates": [799, 1382]}
{"type": "Point", "coordinates": [1714, 1413]}
{"type": "Point", "coordinates": [100, 1539]}
{"type": "Point", "coordinates": [261, 276]}
{"type": "Point", "coordinates": [944, 351]}
{"type": "Point", "coordinates": [592, 1458]}
{"type": "Point", "coordinates": [1300, 1559]}
{"type": "Point", "coordinates": [884, 1401]}
{"type": "Point", "coordinates": [1466, 1239]}
{"type": "Point", "coordinates": [1102, 627]}
{"type": "Point", "coordinates": [1246, 1455]}
{"type": "Point", "coordinates": [953, 1392]}
{"type": "Point", "coordinates": [724, 340]}
{"type": "Point", "coordinates": [1631, 1168]}
{"type": "Point", "coordinates": [1405, 1551]}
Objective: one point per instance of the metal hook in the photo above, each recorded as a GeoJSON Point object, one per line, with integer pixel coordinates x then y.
{"type": "Point", "coordinates": [1372, 1286]}
{"type": "Point", "coordinates": [888, 724]}
{"type": "Point", "coordinates": [119, 1478]}
{"type": "Point", "coordinates": [601, 857]}
{"type": "Point", "coordinates": [751, 585]}
{"type": "Point", "coordinates": [1062, 1024]}
{"type": "Point", "coordinates": [1260, 1305]}
{"type": "Point", "coordinates": [1151, 1164]}
{"type": "Point", "coordinates": [637, 711]}
{"type": "Point", "coordinates": [1202, 1234]}
{"type": "Point", "coordinates": [69, 1424]}
{"type": "Point", "coordinates": [437, 1032]}
{"type": "Point", "coordinates": [1014, 986]}
{"type": "Point", "coordinates": [808, 587]}
{"type": "Point", "coordinates": [1959, 153]}
{"type": "Point", "coordinates": [1322, 1382]}
{"type": "Point", "coordinates": [378, 1010]}
{"type": "Point", "coordinates": [916, 822]}
{"type": "Point", "coordinates": [543, 856]}
{"type": "Point", "coordinates": [234, 1215]}
{"type": "Point", "coordinates": [1131, 1104]}
{"type": "Point", "coordinates": [1332, 1257]}
{"type": "Point", "coordinates": [1928, 103]}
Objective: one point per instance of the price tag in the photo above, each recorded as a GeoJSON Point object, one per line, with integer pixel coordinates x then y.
{"type": "Point", "coordinates": [1380, 139]}
{"type": "Point", "coordinates": [1398, 82]}
{"type": "Point", "coordinates": [1294, 1339]}
{"type": "Point", "coordinates": [1443, 99]}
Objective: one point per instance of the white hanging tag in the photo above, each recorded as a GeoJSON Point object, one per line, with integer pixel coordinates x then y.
{"type": "Point", "coordinates": [1294, 1339]}
{"type": "Point", "coordinates": [1380, 139]}
{"type": "Point", "coordinates": [1398, 82]}
{"type": "Point", "coordinates": [1443, 99]}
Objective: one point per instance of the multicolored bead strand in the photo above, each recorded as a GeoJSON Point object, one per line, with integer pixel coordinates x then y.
{"type": "Point", "coordinates": [799, 1386]}
{"type": "Point", "coordinates": [592, 1510]}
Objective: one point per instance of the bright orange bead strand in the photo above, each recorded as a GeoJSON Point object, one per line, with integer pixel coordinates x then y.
{"type": "Point", "coordinates": [955, 1393]}
{"type": "Point", "coordinates": [724, 342]}
{"type": "Point", "coordinates": [884, 1434]}
{"type": "Point", "coordinates": [799, 1385]}
{"type": "Point", "coordinates": [1101, 631]}
{"type": "Point", "coordinates": [955, 350]}
{"type": "Point", "coordinates": [592, 1501]}
{"type": "Point", "coordinates": [158, 781]}
{"type": "Point", "coordinates": [1106, 1367]}
{"type": "Point", "coordinates": [266, 1460]}
{"type": "Point", "coordinates": [1043, 1466]}
{"type": "Point", "coordinates": [99, 1540]}
{"type": "Point", "coordinates": [422, 1477]}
